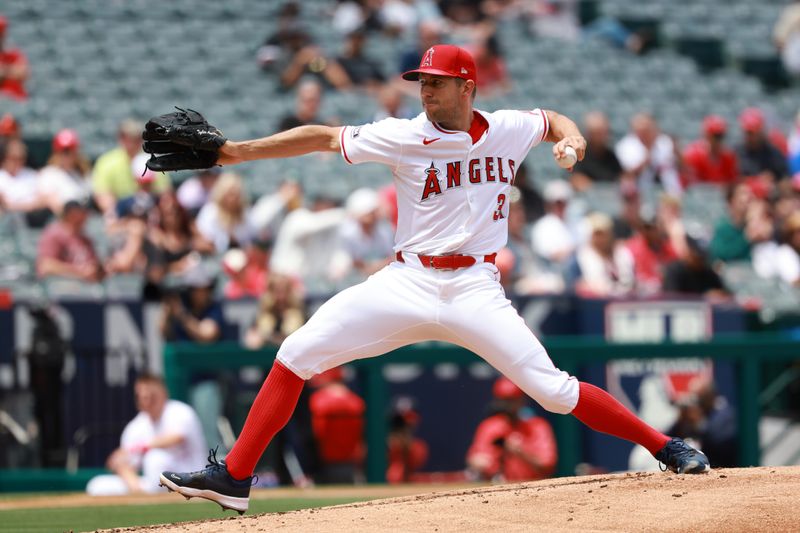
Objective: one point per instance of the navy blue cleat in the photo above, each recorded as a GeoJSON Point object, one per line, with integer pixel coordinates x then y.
{"type": "Point", "coordinates": [682, 458]}
{"type": "Point", "coordinates": [212, 483]}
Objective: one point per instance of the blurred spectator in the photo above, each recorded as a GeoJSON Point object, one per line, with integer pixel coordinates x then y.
{"type": "Point", "coordinates": [164, 434]}
{"type": "Point", "coordinates": [693, 275]}
{"type": "Point", "coordinates": [306, 242]}
{"type": "Point", "coordinates": [64, 250]}
{"type": "Point", "coordinates": [66, 176]}
{"type": "Point", "coordinates": [288, 37]}
{"type": "Point", "coordinates": [492, 73]}
{"type": "Point", "coordinates": [350, 15]}
{"type": "Point", "coordinates": [651, 251]}
{"type": "Point", "coordinates": [195, 191]}
{"type": "Point", "coordinates": [757, 155]}
{"type": "Point", "coordinates": [397, 17]}
{"type": "Point", "coordinates": [605, 266]}
{"type": "Point", "coordinates": [291, 53]}
{"type": "Point", "coordinates": [464, 18]}
{"type": "Point", "coordinates": [730, 242]}
{"type": "Point", "coordinates": [512, 444]}
{"type": "Point", "coordinates": [128, 228]}
{"type": "Point", "coordinates": [793, 149]}
{"type": "Point", "coordinates": [307, 58]}
{"type": "Point", "coordinates": [789, 253]}
{"type": "Point", "coordinates": [361, 70]}
{"type": "Point", "coordinates": [600, 163]}
{"type": "Point", "coordinates": [337, 421]}
{"type": "Point", "coordinates": [531, 199]}
{"type": "Point", "coordinates": [628, 217]}
{"type": "Point", "coordinates": [19, 190]}
{"type": "Point", "coordinates": [246, 270]}
{"type": "Point", "coordinates": [554, 19]}
{"type": "Point", "coordinates": [126, 235]}
{"type": "Point", "coordinates": [710, 160]}
{"type": "Point", "coordinates": [649, 155]}
{"type": "Point", "coordinates": [786, 35]}
{"type": "Point", "coordinates": [268, 213]}
{"type": "Point", "coordinates": [281, 312]}
{"type": "Point", "coordinates": [707, 417]}
{"type": "Point", "coordinates": [46, 359]}
{"type": "Point", "coordinates": [172, 244]}
{"type": "Point", "coordinates": [367, 238]}
{"type": "Point", "coordinates": [14, 69]}
{"type": "Point", "coordinates": [526, 273]}
{"type": "Point", "coordinates": [552, 238]}
{"type": "Point", "coordinates": [112, 176]}
{"type": "Point", "coordinates": [407, 453]}
{"type": "Point", "coordinates": [392, 104]}
{"type": "Point", "coordinates": [760, 231]}
{"type": "Point", "coordinates": [223, 220]}
{"type": "Point", "coordinates": [191, 314]}
{"type": "Point", "coordinates": [307, 103]}
{"type": "Point", "coordinates": [614, 32]}
{"type": "Point", "coordinates": [429, 33]}
{"type": "Point", "coordinates": [388, 199]}
{"type": "Point", "coordinates": [670, 216]}
{"type": "Point", "coordinates": [9, 128]}
{"type": "Point", "coordinates": [144, 198]}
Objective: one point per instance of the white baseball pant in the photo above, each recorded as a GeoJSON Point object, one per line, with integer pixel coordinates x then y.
{"type": "Point", "coordinates": [406, 303]}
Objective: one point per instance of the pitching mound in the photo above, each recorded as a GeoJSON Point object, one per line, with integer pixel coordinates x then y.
{"type": "Point", "coordinates": [743, 499]}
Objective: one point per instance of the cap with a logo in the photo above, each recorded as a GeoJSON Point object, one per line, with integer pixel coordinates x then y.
{"type": "Point", "coordinates": [444, 60]}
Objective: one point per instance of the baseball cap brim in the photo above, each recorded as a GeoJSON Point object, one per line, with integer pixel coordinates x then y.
{"type": "Point", "coordinates": [413, 75]}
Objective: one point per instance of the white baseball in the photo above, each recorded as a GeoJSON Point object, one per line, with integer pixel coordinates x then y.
{"type": "Point", "coordinates": [569, 159]}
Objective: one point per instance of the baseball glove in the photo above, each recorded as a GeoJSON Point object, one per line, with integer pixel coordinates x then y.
{"type": "Point", "coordinates": [181, 140]}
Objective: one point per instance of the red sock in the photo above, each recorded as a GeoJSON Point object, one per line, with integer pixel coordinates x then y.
{"type": "Point", "coordinates": [270, 411]}
{"type": "Point", "coordinates": [602, 412]}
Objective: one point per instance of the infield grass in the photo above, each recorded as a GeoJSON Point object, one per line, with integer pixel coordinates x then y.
{"type": "Point", "coordinates": [76, 519]}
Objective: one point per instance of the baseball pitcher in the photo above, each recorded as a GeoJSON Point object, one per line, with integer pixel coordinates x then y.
{"type": "Point", "coordinates": [453, 167]}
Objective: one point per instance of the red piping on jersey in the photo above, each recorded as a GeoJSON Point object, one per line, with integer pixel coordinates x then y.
{"type": "Point", "coordinates": [341, 142]}
{"type": "Point", "coordinates": [546, 124]}
{"type": "Point", "coordinates": [476, 129]}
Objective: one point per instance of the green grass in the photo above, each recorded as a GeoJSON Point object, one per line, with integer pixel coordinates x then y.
{"type": "Point", "coordinates": [100, 517]}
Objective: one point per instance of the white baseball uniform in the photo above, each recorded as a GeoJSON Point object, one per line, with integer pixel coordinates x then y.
{"type": "Point", "coordinates": [177, 418]}
{"type": "Point", "coordinates": [452, 194]}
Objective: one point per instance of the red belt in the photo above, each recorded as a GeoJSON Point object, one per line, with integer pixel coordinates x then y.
{"type": "Point", "coordinates": [448, 262]}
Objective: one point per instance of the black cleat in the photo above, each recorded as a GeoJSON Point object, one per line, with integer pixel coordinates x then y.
{"type": "Point", "coordinates": [212, 483]}
{"type": "Point", "coordinates": [682, 458]}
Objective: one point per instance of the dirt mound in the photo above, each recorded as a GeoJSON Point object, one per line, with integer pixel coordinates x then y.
{"type": "Point", "coordinates": [743, 499]}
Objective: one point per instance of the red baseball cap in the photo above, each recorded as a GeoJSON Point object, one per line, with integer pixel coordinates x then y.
{"type": "Point", "coordinates": [714, 125]}
{"type": "Point", "coordinates": [504, 389]}
{"type": "Point", "coordinates": [8, 125]}
{"type": "Point", "coordinates": [444, 60]}
{"type": "Point", "coordinates": [751, 119]}
{"type": "Point", "coordinates": [65, 139]}
{"type": "Point", "coordinates": [325, 378]}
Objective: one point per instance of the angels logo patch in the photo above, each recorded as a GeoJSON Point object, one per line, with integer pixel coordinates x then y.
{"type": "Point", "coordinates": [427, 60]}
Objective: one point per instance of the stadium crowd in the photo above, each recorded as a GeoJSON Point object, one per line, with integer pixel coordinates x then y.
{"type": "Point", "coordinates": [200, 239]}
{"type": "Point", "coordinates": [284, 240]}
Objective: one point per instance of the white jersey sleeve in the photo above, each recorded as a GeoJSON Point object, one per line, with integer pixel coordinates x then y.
{"type": "Point", "coordinates": [532, 126]}
{"type": "Point", "coordinates": [378, 142]}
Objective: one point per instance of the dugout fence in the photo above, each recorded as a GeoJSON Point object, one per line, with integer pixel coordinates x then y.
{"type": "Point", "coordinates": [748, 353]}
